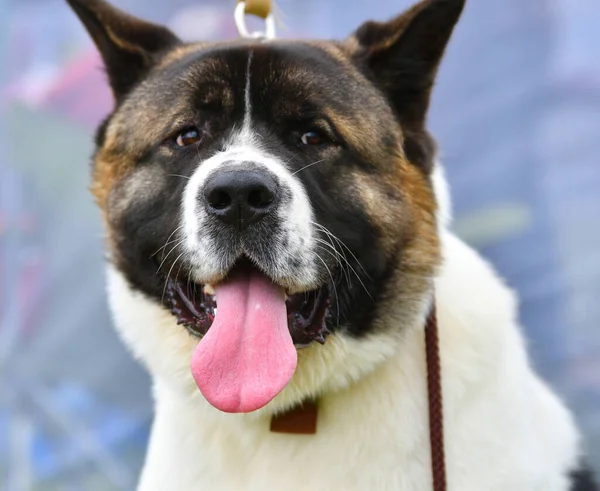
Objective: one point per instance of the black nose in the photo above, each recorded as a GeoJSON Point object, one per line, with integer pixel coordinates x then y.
{"type": "Point", "coordinates": [240, 197]}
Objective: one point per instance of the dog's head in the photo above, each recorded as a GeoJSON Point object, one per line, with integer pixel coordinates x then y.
{"type": "Point", "coordinates": [269, 201]}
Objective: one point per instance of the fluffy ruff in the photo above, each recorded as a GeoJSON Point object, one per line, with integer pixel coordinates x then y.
{"type": "Point", "coordinates": [504, 427]}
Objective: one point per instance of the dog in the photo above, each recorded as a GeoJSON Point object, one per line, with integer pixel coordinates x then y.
{"type": "Point", "coordinates": [278, 230]}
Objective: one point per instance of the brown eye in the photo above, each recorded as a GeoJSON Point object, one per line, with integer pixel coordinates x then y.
{"type": "Point", "coordinates": [312, 138]}
{"type": "Point", "coordinates": [188, 137]}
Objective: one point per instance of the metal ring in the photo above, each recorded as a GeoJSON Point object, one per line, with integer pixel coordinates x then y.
{"type": "Point", "coordinates": [240, 23]}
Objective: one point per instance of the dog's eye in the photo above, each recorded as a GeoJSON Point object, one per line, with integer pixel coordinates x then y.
{"type": "Point", "coordinates": [188, 137]}
{"type": "Point", "coordinates": [312, 138]}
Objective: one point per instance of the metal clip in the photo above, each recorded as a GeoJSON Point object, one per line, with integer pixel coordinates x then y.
{"type": "Point", "coordinates": [240, 23]}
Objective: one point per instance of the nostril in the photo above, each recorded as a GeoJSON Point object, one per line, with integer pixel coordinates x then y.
{"type": "Point", "coordinates": [260, 198]}
{"type": "Point", "coordinates": [219, 199]}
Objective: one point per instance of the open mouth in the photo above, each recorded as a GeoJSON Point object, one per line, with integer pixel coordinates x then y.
{"type": "Point", "coordinates": [195, 307]}
{"type": "Point", "coordinates": [249, 331]}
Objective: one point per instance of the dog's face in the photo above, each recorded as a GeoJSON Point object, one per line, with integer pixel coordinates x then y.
{"type": "Point", "coordinates": [271, 194]}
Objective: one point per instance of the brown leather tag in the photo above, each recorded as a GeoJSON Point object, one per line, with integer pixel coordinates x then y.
{"type": "Point", "coordinates": [301, 420]}
{"type": "Point", "coordinates": [260, 8]}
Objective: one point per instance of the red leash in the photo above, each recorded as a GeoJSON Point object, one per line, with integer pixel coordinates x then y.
{"type": "Point", "coordinates": [436, 409]}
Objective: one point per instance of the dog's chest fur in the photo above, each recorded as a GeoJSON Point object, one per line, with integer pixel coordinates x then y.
{"type": "Point", "coordinates": [505, 430]}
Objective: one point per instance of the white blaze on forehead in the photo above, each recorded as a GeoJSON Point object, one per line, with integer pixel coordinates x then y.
{"type": "Point", "coordinates": [247, 95]}
{"type": "Point", "coordinates": [295, 212]}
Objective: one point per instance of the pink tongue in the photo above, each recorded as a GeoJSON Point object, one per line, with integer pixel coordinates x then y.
{"type": "Point", "coordinates": [248, 356]}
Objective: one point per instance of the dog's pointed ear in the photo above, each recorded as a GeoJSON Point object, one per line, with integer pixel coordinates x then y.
{"type": "Point", "coordinates": [402, 57]}
{"type": "Point", "coordinates": [129, 46]}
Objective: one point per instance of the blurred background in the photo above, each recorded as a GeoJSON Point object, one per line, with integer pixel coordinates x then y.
{"type": "Point", "coordinates": [517, 115]}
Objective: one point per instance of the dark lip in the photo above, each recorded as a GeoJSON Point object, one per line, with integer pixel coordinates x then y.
{"type": "Point", "coordinates": [308, 313]}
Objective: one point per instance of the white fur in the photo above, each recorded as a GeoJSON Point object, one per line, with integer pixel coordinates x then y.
{"type": "Point", "coordinates": [442, 194]}
{"type": "Point", "coordinates": [505, 430]}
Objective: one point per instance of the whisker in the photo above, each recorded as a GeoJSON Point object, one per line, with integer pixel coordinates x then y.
{"type": "Point", "coordinates": [307, 166]}
{"type": "Point", "coordinates": [178, 271]}
{"type": "Point", "coordinates": [337, 257]}
{"type": "Point", "coordinates": [179, 175]}
{"type": "Point", "coordinates": [290, 159]}
{"type": "Point", "coordinates": [169, 274]}
{"type": "Point", "coordinates": [170, 252]}
{"type": "Point", "coordinates": [188, 283]}
{"type": "Point", "coordinates": [337, 300]}
{"type": "Point", "coordinates": [334, 256]}
{"type": "Point", "coordinates": [167, 241]}
{"type": "Point", "coordinates": [163, 247]}
{"type": "Point", "coordinates": [361, 282]}
{"type": "Point", "coordinates": [329, 233]}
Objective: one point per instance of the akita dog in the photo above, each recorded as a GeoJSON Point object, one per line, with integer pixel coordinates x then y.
{"type": "Point", "coordinates": [278, 230]}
